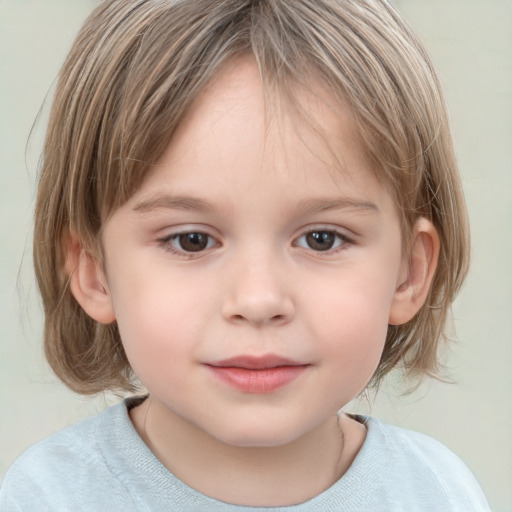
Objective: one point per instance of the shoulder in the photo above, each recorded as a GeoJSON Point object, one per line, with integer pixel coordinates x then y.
{"type": "Point", "coordinates": [61, 466]}
{"type": "Point", "coordinates": [68, 444]}
{"type": "Point", "coordinates": [424, 468]}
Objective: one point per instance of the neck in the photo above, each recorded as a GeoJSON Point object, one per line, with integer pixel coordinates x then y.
{"type": "Point", "coordinates": [286, 475]}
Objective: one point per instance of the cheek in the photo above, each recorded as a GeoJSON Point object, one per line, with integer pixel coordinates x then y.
{"type": "Point", "coordinates": [353, 326]}
{"type": "Point", "coordinates": [359, 306]}
{"type": "Point", "coordinates": [158, 324]}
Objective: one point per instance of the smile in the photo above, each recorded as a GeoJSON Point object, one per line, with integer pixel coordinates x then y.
{"type": "Point", "coordinates": [257, 374]}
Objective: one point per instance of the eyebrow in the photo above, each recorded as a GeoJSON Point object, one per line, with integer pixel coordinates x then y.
{"type": "Point", "coordinates": [336, 203]}
{"type": "Point", "coordinates": [315, 205]}
{"type": "Point", "coordinates": [185, 203]}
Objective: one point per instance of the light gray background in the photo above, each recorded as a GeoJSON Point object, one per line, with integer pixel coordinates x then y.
{"type": "Point", "coordinates": [471, 42]}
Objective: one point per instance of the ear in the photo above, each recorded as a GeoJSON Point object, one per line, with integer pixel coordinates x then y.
{"type": "Point", "coordinates": [418, 272]}
{"type": "Point", "coordinates": [87, 282]}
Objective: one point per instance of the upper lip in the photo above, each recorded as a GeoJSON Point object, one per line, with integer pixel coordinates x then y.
{"type": "Point", "coordinates": [256, 362]}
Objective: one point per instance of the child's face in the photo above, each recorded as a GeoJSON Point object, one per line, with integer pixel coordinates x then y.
{"type": "Point", "coordinates": [246, 248]}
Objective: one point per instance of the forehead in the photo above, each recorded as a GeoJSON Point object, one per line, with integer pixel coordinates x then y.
{"type": "Point", "coordinates": [233, 142]}
{"type": "Point", "coordinates": [238, 112]}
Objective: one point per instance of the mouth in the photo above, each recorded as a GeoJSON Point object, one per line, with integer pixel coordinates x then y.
{"type": "Point", "coordinates": [263, 374]}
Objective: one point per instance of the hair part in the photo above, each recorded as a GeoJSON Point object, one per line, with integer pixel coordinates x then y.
{"type": "Point", "coordinates": [135, 68]}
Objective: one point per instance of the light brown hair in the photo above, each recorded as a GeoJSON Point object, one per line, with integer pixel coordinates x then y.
{"type": "Point", "coordinates": [135, 68]}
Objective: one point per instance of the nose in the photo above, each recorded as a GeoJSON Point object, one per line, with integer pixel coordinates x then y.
{"type": "Point", "coordinates": [258, 293]}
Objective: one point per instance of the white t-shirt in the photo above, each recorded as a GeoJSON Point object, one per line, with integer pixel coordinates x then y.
{"type": "Point", "coordinates": [103, 465]}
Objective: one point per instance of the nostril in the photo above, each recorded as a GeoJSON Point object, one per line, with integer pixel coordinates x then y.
{"type": "Point", "coordinates": [262, 320]}
{"type": "Point", "coordinates": [258, 308]}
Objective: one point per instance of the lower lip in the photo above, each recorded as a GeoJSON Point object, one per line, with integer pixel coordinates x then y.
{"type": "Point", "coordinates": [258, 381]}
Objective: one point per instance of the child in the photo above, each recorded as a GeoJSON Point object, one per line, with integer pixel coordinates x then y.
{"type": "Point", "coordinates": [252, 209]}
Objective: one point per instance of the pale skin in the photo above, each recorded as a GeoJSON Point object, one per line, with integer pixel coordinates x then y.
{"type": "Point", "coordinates": [244, 240]}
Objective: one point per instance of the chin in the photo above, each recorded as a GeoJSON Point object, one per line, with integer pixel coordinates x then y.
{"type": "Point", "coordinates": [260, 436]}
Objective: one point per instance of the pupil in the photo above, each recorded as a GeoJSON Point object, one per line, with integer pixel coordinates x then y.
{"type": "Point", "coordinates": [320, 240]}
{"type": "Point", "coordinates": [193, 242]}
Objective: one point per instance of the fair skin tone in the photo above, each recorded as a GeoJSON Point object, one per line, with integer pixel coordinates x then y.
{"type": "Point", "coordinates": [244, 242]}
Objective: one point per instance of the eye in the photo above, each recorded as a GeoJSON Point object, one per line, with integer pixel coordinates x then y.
{"type": "Point", "coordinates": [321, 240]}
{"type": "Point", "coordinates": [189, 242]}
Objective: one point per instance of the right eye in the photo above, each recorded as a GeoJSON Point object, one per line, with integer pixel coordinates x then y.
{"type": "Point", "coordinates": [188, 242]}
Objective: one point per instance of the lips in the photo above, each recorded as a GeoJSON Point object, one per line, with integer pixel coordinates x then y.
{"type": "Point", "coordinates": [264, 374]}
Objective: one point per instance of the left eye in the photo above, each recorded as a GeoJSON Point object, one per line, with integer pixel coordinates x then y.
{"type": "Point", "coordinates": [191, 242]}
{"type": "Point", "coordinates": [321, 240]}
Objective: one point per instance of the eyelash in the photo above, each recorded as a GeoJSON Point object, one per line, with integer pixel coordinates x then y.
{"type": "Point", "coordinates": [341, 238]}
{"type": "Point", "coordinates": [168, 243]}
